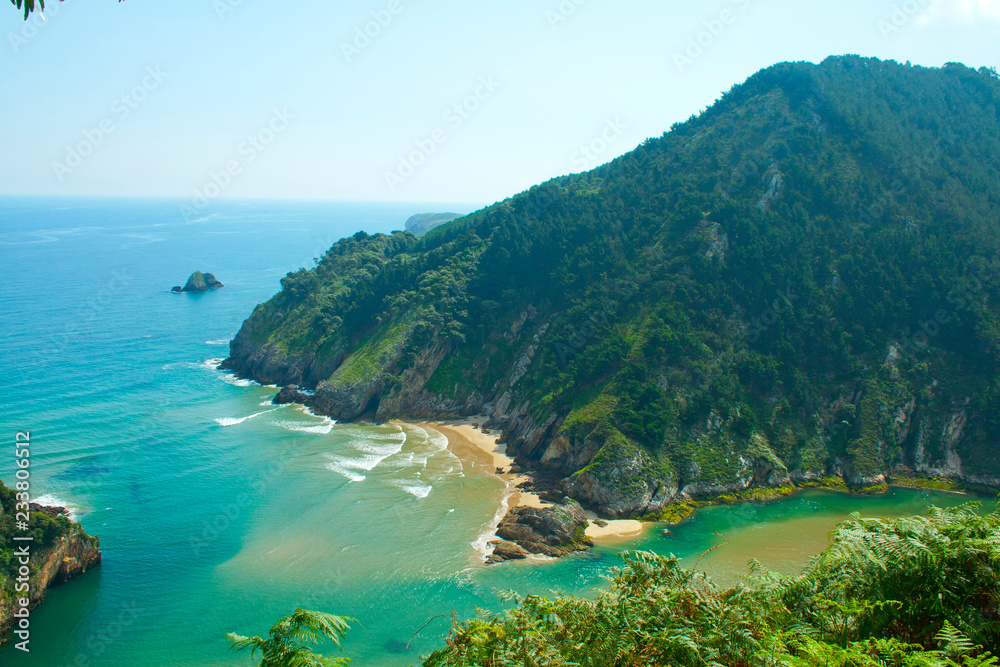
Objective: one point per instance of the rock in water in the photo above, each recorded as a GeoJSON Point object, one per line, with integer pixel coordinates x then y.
{"type": "Point", "coordinates": [199, 282]}
{"type": "Point", "coordinates": [289, 394]}
{"type": "Point", "coordinates": [504, 550]}
{"type": "Point", "coordinates": [552, 531]}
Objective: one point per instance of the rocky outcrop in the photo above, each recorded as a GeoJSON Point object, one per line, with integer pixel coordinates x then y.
{"type": "Point", "coordinates": [504, 550]}
{"type": "Point", "coordinates": [68, 557]}
{"type": "Point", "coordinates": [263, 362]}
{"type": "Point", "coordinates": [290, 394]}
{"type": "Point", "coordinates": [550, 531]}
{"type": "Point", "coordinates": [199, 282]}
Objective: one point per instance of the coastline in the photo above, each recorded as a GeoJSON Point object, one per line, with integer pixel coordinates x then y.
{"type": "Point", "coordinates": [467, 441]}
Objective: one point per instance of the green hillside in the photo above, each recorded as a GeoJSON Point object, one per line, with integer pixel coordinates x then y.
{"type": "Point", "coordinates": [800, 282]}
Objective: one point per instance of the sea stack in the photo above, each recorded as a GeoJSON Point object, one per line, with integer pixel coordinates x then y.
{"type": "Point", "coordinates": [199, 282]}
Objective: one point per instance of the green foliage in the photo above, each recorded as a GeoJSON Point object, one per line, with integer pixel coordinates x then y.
{"type": "Point", "coordinates": [31, 5]}
{"type": "Point", "coordinates": [289, 640]}
{"type": "Point", "coordinates": [374, 353]}
{"type": "Point", "coordinates": [915, 591]}
{"type": "Point", "coordinates": [45, 530]}
{"type": "Point", "coordinates": [729, 281]}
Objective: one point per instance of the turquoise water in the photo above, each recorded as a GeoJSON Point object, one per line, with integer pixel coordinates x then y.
{"type": "Point", "coordinates": [218, 512]}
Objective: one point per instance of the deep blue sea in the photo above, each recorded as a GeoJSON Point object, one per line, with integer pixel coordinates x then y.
{"type": "Point", "coordinates": [218, 512]}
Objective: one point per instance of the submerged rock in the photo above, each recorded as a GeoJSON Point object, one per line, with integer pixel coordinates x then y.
{"type": "Point", "coordinates": [199, 282]}
{"type": "Point", "coordinates": [551, 531]}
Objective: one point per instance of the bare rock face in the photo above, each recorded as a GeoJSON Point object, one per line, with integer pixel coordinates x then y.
{"type": "Point", "coordinates": [551, 531]}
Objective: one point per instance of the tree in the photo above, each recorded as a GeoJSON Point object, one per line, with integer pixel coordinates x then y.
{"type": "Point", "coordinates": [288, 645]}
{"type": "Point", "coordinates": [29, 6]}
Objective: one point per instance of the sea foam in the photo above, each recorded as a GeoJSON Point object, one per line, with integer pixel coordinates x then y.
{"type": "Point", "coordinates": [414, 488]}
{"type": "Point", "coordinates": [52, 500]}
{"type": "Point", "coordinates": [233, 421]}
{"type": "Point", "coordinates": [300, 427]}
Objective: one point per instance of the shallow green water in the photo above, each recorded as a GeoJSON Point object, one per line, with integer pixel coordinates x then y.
{"type": "Point", "coordinates": [218, 512]}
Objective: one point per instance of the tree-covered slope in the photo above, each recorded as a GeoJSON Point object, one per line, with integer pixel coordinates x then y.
{"type": "Point", "coordinates": [799, 282]}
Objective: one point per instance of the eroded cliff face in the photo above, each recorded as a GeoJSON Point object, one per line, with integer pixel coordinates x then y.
{"type": "Point", "coordinates": [70, 556]}
{"type": "Point", "coordinates": [871, 428]}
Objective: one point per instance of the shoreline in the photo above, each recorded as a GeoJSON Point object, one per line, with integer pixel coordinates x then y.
{"type": "Point", "coordinates": [467, 441]}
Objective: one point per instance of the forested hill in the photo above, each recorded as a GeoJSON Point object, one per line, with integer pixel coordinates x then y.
{"type": "Point", "coordinates": [800, 282]}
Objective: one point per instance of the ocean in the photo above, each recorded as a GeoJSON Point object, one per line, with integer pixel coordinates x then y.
{"type": "Point", "coordinates": [219, 512]}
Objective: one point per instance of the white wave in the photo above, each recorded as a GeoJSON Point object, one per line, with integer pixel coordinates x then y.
{"type": "Point", "coordinates": [229, 378]}
{"type": "Point", "coordinates": [320, 429]}
{"type": "Point", "coordinates": [375, 449]}
{"type": "Point", "coordinates": [208, 364]}
{"type": "Point", "coordinates": [413, 488]}
{"type": "Point", "coordinates": [304, 409]}
{"type": "Point", "coordinates": [51, 500]}
{"type": "Point", "coordinates": [438, 440]}
{"type": "Point", "coordinates": [233, 421]}
{"type": "Point", "coordinates": [221, 341]}
{"type": "Point", "coordinates": [369, 434]}
{"type": "Point", "coordinates": [482, 543]}
{"type": "Point", "coordinates": [366, 462]}
{"type": "Point", "coordinates": [352, 475]}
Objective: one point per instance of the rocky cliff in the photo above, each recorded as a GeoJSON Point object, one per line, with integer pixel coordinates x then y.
{"type": "Point", "coordinates": [63, 551]}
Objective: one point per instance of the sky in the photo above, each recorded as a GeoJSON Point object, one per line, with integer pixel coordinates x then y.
{"type": "Point", "coordinates": [403, 100]}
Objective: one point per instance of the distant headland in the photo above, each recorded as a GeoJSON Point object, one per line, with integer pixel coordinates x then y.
{"type": "Point", "coordinates": [420, 224]}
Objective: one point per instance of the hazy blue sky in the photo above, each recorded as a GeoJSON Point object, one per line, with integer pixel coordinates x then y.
{"type": "Point", "coordinates": [184, 85]}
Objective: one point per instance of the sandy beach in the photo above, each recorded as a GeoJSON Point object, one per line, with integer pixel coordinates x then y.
{"type": "Point", "coordinates": [468, 442]}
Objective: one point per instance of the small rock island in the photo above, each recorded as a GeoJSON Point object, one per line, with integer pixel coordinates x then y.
{"type": "Point", "coordinates": [198, 282]}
